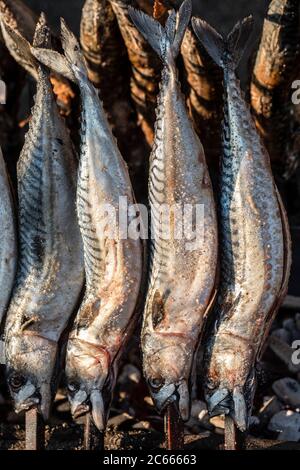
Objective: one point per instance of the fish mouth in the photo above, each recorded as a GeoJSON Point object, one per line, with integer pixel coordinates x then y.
{"type": "Point", "coordinates": [81, 410]}
{"type": "Point", "coordinates": [173, 393]}
{"type": "Point", "coordinates": [82, 403]}
{"type": "Point", "coordinates": [27, 405]}
{"type": "Point", "coordinates": [232, 403]}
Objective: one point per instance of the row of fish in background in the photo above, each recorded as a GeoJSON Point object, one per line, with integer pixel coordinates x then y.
{"type": "Point", "coordinates": [182, 285]}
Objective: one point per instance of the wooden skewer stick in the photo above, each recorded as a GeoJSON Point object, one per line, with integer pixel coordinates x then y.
{"type": "Point", "coordinates": [174, 428]}
{"type": "Point", "coordinates": [34, 430]}
{"type": "Point", "coordinates": [230, 434]}
{"type": "Point", "coordinates": [234, 439]}
{"type": "Point", "coordinates": [93, 438]}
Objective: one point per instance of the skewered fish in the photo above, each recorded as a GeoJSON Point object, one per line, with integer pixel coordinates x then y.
{"type": "Point", "coordinates": [50, 270]}
{"type": "Point", "coordinates": [108, 63]}
{"type": "Point", "coordinates": [274, 71]}
{"type": "Point", "coordinates": [102, 46]}
{"type": "Point", "coordinates": [8, 247]}
{"type": "Point", "coordinates": [255, 245]}
{"type": "Point", "coordinates": [113, 265]}
{"type": "Point", "coordinates": [145, 69]}
{"type": "Point", "coordinates": [182, 277]}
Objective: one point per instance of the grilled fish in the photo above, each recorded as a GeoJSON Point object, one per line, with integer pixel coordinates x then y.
{"type": "Point", "coordinates": [145, 69]}
{"type": "Point", "coordinates": [274, 71]}
{"type": "Point", "coordinates": [182, 276]}
{"type": "Point", "coordinates": [108, 63]}
{"type": "Point", "coordinates": [113, 264]}
{"type": "Point", "coordinates": [102, 46]}
{"type": "Point", "coordinates": [255, 245]}
{"type": "Point", "coordinates": [8, 248]}
{"type": "Point", "coordinates": [50, 270]}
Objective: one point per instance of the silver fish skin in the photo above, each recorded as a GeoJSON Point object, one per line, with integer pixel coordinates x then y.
{"type": "Point", "coordinates": [50, 271]}
{"type": "Point", "coordinates": [113, 265]}
{"type": "Point", "coordinates": [8, 246]}
{"type": "Point", "coordinates": [255, 245]}
{"type": "Point", "coordinates": [182, 276]}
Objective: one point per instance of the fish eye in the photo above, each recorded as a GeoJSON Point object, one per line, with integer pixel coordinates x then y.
{"type": "Point", "coordinates": [73, 387]}
{"type": "Point", "coordinates": [156, 383]}
{"type": "Point", "coordinates": [16, 381]}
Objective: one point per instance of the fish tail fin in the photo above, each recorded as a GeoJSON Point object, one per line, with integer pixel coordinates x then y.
{"type": "Point", "coordinates": [72, 49]}
{"type": "Point", "coordinates": [21, 48]}
{"type": "Point", "coordinates": [165, 41]}
{"type": "Point", "coordinates": [42, 34]}
{"type": "Point", "coordinates": [224, 51]}
{"type": "Point", "coordinates": [72, 64]}
{"type": "Point", "coordinates": [223, 401]}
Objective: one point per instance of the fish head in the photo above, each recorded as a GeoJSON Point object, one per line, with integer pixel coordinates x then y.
{"type": "Point", "coordinates": [228, 386]}
{"type": "Point", "coordinates": [90, 379]}
{"type": "Point", "coordinates": [167, 371]}
{"type": "Point", "coordinates": [31, 362]}
{"type": "Point", "coordinates": [228, 366]}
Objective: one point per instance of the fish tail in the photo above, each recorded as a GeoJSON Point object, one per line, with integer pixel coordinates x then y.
{"type": "Point", "coordinates": [223, 401]}
{"type": "Point", "coordinates": [226, 52]}
{"type": "Point", "coordinates": [165, 41]}
{"type": "Point", "coordinates": [42, 38]}
{"type": "Point", "coordinates": [72, 50]}
{"type": "Point", "coordinates": [72, 64]}
{"type": "Point", "coordinates": [42, 34]}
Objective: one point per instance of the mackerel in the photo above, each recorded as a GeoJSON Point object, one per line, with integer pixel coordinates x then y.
{"type": "Point", "coordinates": [182, 275]}
{"type": "Point", "coordinates": [255, 243]}
{"type": "Point", "coordinates": [113, 264]}
{"type": "Point", "coordinates": [50, 269]}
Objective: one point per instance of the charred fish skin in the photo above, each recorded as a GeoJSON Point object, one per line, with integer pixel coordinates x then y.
{"type": "Point", "coordinates": [50, 270]}
{"type": "Point", "coordinates": [101, 43]}
{"type": "Point", "coordinates": [254, 262]}
{"type": "Point", "coordinates": [113, 265]}
{"type": "Point", "coordinates": [107, 62]}
{"type": "Point", "coordinates": [181, 278]}
{"type": "Point", "coordinates": [274, 71]}
{"type": "Point", "coordinates": [8, 247]}
{"type": "Point", "coordinates": [145, 69]}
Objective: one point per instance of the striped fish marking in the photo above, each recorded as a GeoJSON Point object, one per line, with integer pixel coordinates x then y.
{"type": "Point", "coordinates": [108, 314]}
{"type": "Point", "coordinates": [50, 269]}
{"type": "Point", "coordinates": [181, 282]}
